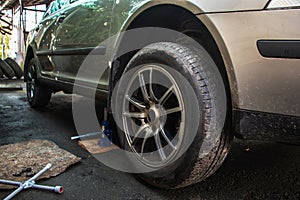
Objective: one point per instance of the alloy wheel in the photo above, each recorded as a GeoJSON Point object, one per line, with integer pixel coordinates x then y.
{"type": "Point", "coordinates": [153, 116]}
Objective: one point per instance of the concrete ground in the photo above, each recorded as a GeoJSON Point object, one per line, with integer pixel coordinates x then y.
{"type": "Point", "coordinates": [253, 170]}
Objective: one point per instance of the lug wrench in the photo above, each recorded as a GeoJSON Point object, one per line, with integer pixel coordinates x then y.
{"type": "Point", "coordinates": [31, 184]}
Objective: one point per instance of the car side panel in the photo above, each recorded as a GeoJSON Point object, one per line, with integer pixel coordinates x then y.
{"type": "Point", "coordinates": [263, 84]}
{"type": "Point", "coordinates": [126, 11]}
{"type": "Point", "coordinates": [86, 25]}
{"type": "Point", "coordinates": [229, 5]}
{"type": "Point", "coordinates": [257, 83]}
{"type": "Point", "coordinates": [44, 35]}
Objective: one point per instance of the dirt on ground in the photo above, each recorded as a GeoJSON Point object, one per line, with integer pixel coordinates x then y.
{"type": "Point", "coordinates": [253, 170]}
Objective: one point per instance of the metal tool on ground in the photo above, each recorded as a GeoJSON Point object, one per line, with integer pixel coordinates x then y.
{"type": "Point", "coordinates": [31, 184]}
{"type": "Point", "coordinates": [105, 133]}
{"type": "Point", "coordinates": [86, 135]}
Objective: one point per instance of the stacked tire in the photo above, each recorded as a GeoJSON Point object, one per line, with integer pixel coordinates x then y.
{"type": "Point", "coordinates": [10, 69]}
{"type": "Point", "coordinates": [1, 73]}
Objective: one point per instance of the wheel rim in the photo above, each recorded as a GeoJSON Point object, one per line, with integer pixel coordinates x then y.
{"type": "Point", "coordinates": [31, 82]}
{"type": "Point", "coordinates": [153, 116]}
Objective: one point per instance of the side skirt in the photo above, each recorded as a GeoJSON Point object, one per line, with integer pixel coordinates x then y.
{"type": "Point", "coordinates": [253, 125]}
{"type": "Point", "coordinates": [67, 87]}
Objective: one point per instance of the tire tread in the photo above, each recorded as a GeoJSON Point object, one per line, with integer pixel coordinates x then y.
{"type": "Point", "coordinates": [6, 69]}
{"type": "Point", "coordinates": [15, 67]}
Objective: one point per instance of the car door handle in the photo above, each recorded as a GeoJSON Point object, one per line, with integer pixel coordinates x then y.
{"type": "Point", "coordinates": [61, 18]}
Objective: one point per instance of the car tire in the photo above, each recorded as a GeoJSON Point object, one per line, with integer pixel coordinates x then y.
{"type": "Point", "coordinates": [6, 69]}
{"type": "Point", "coordinates": [202, 74]}
{"type": "Point", "coordinates": [15, 67]}
{"type": "Point", "coordinates": [37, 94]}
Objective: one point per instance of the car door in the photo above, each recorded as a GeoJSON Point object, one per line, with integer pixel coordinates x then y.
{"type": "Point", "coordinates": [83, 26]}
{"type": "Point", "coordinates": [44, 38]}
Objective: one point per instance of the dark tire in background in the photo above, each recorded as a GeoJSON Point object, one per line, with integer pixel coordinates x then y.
{"type": "Point", "coordinates": [15, 66]}
{"type": "Point", "coordinates": [6, 69]}
{"type": "Point", "coordinates": [37, 94]}
{"type": "Point", "coordinates": [201, 72]}
{"type": "Point", "coordinates": [1, 73]}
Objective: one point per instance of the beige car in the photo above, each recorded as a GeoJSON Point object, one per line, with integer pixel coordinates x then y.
{"type": "Point", "coordinates": [180, 77]}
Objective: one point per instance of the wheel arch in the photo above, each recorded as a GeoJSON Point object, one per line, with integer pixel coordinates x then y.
{"type": "Point", "coordinates": [29, 56]}
{"type": "Point", "coordinates": [146, 5]}
{"type": "Point", "coordinates": [202, 27]}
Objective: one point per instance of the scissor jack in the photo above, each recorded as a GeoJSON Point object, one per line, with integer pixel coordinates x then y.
{"type": "Point", "coordinates": [31, 184]}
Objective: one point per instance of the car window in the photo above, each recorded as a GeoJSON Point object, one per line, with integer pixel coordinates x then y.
{"type": "Point", "coordinates": [54, 7]}
{"type": "Point", "coordinates": [48, 10]}
{"type": "Point", "coordinates": [88, 25]}
{"type": "Point", "coordinates": [57, 5]}
{"type": "Point", "coordinates": [63, 3]}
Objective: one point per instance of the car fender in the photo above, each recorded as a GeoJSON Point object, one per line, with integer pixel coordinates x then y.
{"type": "Point", "coordinates": [201, 8]}
{"type": "Point", "coordinates": [197, 7]}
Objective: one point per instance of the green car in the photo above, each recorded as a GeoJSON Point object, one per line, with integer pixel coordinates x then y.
{"type": "Point", "coordinates": [182, 78]}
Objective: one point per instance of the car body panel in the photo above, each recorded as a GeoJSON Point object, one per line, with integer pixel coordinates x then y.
{"type": "Point", "coordinates": [208, 6]}
{"type": "Point", "coordinates": [257, 83]}
{"type": "Point", "coordinates": [252, 77]}
{"type": "Point", "coordinates": [262, 84]}
{"type": "Point", "coordinates": [70, 35]}
{"type": "Point", "coordinates": [129, 9]}
{"type": "Point", "coordinates": [44, 38]}
{"type": "Point", "coordinates": [86, 24]}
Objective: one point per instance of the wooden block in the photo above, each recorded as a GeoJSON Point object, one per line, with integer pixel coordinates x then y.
{"type": "Point", "coordinates": [93, 147]}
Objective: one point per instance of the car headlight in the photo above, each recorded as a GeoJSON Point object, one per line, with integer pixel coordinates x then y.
{"type": "Point", "coordinates": [277, 4]}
